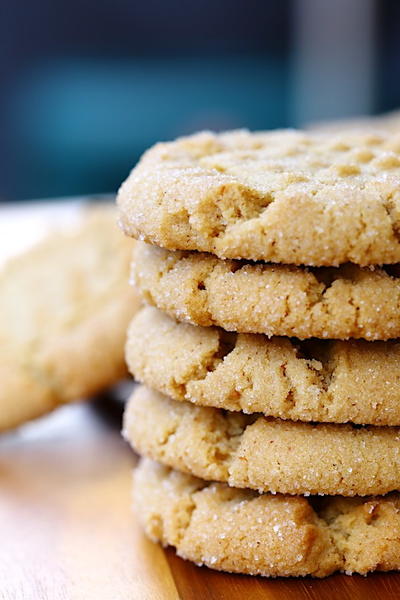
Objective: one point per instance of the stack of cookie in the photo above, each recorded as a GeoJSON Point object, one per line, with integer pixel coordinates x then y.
{"type": "Point", "coordinates": [269, 353]}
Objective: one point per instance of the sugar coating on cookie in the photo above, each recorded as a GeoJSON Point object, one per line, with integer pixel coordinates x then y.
{"type": "Point", "coordinates": [272, 455]}
{"type": "Point", "coordinates": [241, 531]}
{"type": "Point", "coordinates": [293, 197]}
{"type": "Point", "coordinates": [337, 303]}
{"type": "Point", "coordinates": [316, 380]}
{"type": "Point", "coordinates": [64, 309]}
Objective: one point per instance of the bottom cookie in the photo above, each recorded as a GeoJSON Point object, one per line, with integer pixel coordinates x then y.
{"type": "Point", "coordinates": [242, 531]}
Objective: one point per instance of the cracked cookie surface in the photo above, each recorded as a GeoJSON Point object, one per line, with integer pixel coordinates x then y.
{"type": "Point", "coordinates": [251, 451]}
{"type": "Point", "coordinates": [336, 303]}
{"type": "Point", "coordinates": [244, 532]}
{"type": "Point", "coordinates": [313, 380]}
{"type": "Point", "coordinates": [64, 308]}
{"type": "Point", "coordinates": [289, 197]}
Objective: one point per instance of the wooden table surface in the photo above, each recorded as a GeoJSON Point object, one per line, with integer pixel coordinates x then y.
{"type": "Point", "coordinates": [67, 531]}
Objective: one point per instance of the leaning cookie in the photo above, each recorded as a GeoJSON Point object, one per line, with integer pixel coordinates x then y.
{"type": "Point", "coordinates": [244, 532]}
{"type": "Point", "coordinates": [336, 303]}
{"type": "Point", "coordinates": [386, 123]}
{"type": "Point", "coordinates": [268, 455]}
{"type": "Point", "coordinates": [315, 380]}
{"type": "Point", "coordinates": [288, 197]}
{"type": "Point", "coordinates": [64, 309]}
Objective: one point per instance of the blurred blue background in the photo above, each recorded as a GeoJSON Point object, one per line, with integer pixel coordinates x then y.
{"type": "Point", "coordinates": [87, 86]}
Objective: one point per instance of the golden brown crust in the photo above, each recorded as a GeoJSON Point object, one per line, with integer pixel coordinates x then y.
{"type": "Point", "coordinates": [250, 451]}
{"type": "Point", "coordinates": [244, 532]}
{"type": "Point", "coordinates": [319, 380]}
{"type": "Point", "coordinates": [337, 303]}
{"type": "Point", "coordinates": [64, 309]}
{"type": "Point", "coordinates": [285, 196]}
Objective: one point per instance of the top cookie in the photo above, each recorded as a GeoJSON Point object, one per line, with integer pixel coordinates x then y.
{"type": "Point", "coordinates": [64, 309]}
{"type": "Point", "coordinates": [319, 199]}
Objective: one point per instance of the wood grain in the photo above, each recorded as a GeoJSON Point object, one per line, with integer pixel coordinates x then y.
{"type": "Point", "coordinates": [194, 582]}
{"type": "Point", "coordinates": [67, 530]}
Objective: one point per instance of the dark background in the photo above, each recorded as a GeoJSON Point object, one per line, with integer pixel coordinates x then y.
{"type": "Point", "coordinates": [87, 86]}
